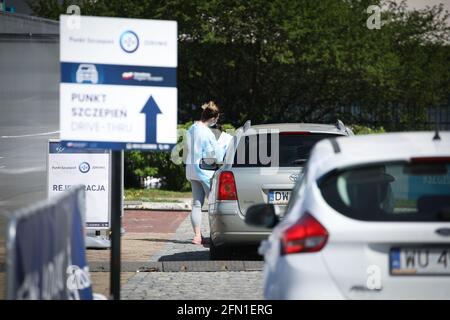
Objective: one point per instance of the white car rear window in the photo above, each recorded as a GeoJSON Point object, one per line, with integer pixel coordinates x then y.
{"type": "Point", "coordinates": [293, 149]}
{"type": "Point", "coordinates": [390, 192]}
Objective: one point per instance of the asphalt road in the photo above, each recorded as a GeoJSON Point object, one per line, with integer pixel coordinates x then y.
{"type": "Point", "coordinates": [29, 116]}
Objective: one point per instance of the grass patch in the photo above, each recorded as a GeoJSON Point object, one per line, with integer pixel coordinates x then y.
{"type": "Point", "coordinates": [155, 195]}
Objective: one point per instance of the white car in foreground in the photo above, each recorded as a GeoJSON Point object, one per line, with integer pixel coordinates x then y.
{"type": "Point", "coordinates": [370, 219]}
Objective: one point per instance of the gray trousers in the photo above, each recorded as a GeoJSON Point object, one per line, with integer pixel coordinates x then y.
{"type": "Point", "coordinates": [200, 190]}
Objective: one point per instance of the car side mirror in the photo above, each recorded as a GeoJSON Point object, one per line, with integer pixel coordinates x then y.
{"type": "Point", "coordinates": [208, 164]}
{"type": "Point", "coordinates": [261, 215]}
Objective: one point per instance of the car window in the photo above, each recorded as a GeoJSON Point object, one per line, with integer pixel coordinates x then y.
{"type": "Point", "coordinates": [390, 192]}
{"type": "Point", "coordinates": [285, 149]}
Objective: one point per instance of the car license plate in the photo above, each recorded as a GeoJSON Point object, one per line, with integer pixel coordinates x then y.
{"type": "Point", "coordinates": [279, 197]}
{"type": "Point", "coordinates": [420, 261]}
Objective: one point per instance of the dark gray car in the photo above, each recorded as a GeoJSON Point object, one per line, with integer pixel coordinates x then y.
{"type": "Point", "coordinates": [262, 164]}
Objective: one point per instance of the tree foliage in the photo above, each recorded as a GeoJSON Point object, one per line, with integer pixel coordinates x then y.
{"type": "Point", "coordinates": [360, 130]}
{"type": "Point", "coordinates": [289, 60]}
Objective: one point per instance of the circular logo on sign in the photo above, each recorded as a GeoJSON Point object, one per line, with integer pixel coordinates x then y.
{"type": "Point", "coordinates": [84, 167]}
{"type": "Point", "coordinates": [129, 41]}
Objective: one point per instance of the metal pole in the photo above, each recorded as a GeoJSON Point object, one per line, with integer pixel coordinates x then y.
{"type": "Point", "coordinates": [116, 212]}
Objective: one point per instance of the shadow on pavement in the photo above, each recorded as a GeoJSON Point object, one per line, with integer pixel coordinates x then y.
{"type": "Point", "coordinates": [242, 254]}
{"type": "Point", "coordinates": [162, 240]}
{"type": "Point", "coordinates": [246, 254]}
{"type": "Point", "coordinates": [187, 256]}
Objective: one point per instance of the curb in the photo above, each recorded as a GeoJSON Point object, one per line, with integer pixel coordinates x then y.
{"type": "Point", "coordinates": [162, 206]}
{"type": "Point", "coordinates": [180, 266]}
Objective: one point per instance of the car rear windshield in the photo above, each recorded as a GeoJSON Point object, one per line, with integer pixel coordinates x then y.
{"type": "Point", "coordinates": [285, 149]}
{"type": "Point", "coordinates": [391, 192]}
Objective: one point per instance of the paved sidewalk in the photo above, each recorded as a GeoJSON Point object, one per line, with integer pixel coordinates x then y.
{"type": "Point", "coordinates": [160, 262]}
{"type": "Point", "coordinates": [146, 234]}
{"type": "Point", "coordinates": [181, 256]}
{"type": "Point", "coordinates": [179, 246]}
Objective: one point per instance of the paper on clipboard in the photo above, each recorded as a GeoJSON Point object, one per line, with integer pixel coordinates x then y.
{"type": "Point", "coordinates": [224, 140]}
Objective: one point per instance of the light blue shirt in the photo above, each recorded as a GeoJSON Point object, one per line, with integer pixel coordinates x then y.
{"type": "Point", "coordinates": [201, 143]}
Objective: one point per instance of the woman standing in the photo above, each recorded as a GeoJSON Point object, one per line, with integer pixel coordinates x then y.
{"type": "Point", "coordinates": [201, 143]}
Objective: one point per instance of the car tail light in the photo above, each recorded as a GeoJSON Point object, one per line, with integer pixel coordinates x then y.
{"type": "Point", "coordinates": [227, 186]}
{"type": "Point", "coordinates": [307, 235]}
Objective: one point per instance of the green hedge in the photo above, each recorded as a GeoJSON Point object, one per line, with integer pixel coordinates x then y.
{"type": "Point", "coordinates": [358, 129]}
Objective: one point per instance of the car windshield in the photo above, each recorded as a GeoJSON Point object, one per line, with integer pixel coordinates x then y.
{"type": "Point", "coordinates": [285, 149]}
{"type": "Point", "coordinates": [390, 192]}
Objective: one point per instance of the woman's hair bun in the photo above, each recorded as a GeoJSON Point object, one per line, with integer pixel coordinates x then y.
{"type": "Point", "coordinates": [210, 110]}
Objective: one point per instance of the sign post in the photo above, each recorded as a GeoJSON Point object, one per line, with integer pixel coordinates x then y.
{"type": "Point", "coordinates": [118, 91]}
{"type": "Point", "coordinates": [116, 223]}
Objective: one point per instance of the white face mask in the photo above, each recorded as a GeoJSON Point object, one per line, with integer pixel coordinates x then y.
{"type": "Point", "coordinates": [212, 124]}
